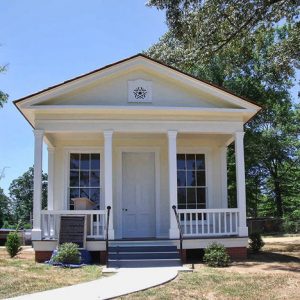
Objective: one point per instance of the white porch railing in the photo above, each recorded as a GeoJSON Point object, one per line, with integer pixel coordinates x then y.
{"type": "Point", "coordinates": [209, 222]}
{"type": "Point", "coordinates": [95, 222]}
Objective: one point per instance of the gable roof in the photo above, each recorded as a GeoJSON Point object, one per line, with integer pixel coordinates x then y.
{"type": "Point", "coordinates": [128, 59]}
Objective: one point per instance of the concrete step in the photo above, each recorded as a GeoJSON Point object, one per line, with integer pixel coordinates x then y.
{"type": "Point", "coordinates": [143, 255]}
{"type": "Point", "coordinates": [143, 263]}
{"type": "Point", "coordinates": [117, 249]}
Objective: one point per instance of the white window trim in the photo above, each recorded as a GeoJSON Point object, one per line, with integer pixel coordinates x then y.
{"type": "Point", "coordinates": [80, 149]}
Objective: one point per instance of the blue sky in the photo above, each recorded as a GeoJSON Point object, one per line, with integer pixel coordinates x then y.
{"type": "Point", "coordinates": [46, 42]}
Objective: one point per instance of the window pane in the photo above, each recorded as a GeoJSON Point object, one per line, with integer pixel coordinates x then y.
{"type": "Point", "coordinates": [181, 162]}
{"type": "Point", "coordinates": [190, 162]}
{"type": "Point", "coordinates": [191, 195]}
{"type": "Point", "coordinates": [181, 195]}
{"type": "Point", "coordinates": [200, 178]}
{"type": "Point", "coordinates": [74, 161]}
{"type": "Point", "coordinates": [201, 205]}
{"type": "Point", "coordinates": [84, 161]}
{"type": "Point", "coordinates": [84, 193]}
{"type": "Point", "coordinates": [74, 193]}
{"type": "Point", "coordinates": [191, 178]}
{"type": "Point", "coordinates": [181, 180]}
{"type": "Point", "coordinates": [95, 178]}
{"type": "Point", "coordinates": [95, 161]}
{"type": "Point", "coordinates": [201, 195]}
{"type": "Point", "coordinates": [200, 162]}
{"type": "Point", "coordinates": [74, 178]}
{"type": "Point", "coordinates": [84, 178]}
{"type": "Point", "coordinates": [95, 197]}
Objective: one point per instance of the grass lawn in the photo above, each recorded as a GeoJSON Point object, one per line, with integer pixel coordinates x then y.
{"type": "Point", "coordinates": [272, 274]}
{"type": "Point", "coordinates": [22, 275]}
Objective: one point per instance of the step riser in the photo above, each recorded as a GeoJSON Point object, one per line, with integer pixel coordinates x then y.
{"type": "Point", "coordinates": [144, 263]}
{"type": "Point", "coordinates": [143, 249]}
{"type": "Point", "coordinates": [143, 256]}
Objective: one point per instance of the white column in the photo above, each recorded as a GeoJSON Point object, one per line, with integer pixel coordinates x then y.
{"type": "Point", "coordinates": [172, 150]}
{"type": "Point", "coordinates": [224, 183]}
{"type": "Point", "coordinates": [51, 153]}
{"type": "Point", "coordinates": [37, 184]}
{"type": "Point", "coordinates": [240, 182]}
{"type": "Point", "coordinates": [108, 178]}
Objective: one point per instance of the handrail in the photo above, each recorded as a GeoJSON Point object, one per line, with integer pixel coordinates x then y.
{"type": "Point", "coordinates": [106, 240]}
{"type": "Point", "coordinates": [180, 231]}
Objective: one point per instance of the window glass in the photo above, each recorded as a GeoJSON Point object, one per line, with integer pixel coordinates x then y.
{"type": "Point", "coordinates": [84, 177]}
{"type": "Point", "coordinates": [191, 181]}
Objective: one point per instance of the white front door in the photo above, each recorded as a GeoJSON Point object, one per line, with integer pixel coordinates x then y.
{"type": "Point", "coordinates": [138, 194]}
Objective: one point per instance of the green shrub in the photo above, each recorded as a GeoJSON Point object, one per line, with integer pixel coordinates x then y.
{"type": "Point", "coordinates": [215, 255]}
{"type": "Point", "coordinates": [67, 253]}
{"type": "Point", "coordinates": [256, 242]}
{"type": "Point", "coordinates": [13, 244]}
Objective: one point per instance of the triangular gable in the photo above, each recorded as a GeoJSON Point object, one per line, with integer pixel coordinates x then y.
{"type": "Point", "coordinates": [185, 83]}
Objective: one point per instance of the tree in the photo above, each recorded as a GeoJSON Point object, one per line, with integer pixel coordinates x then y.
{"type": "Point", "coordinates": [5, 215]}
{"type": "Point", "coordinates": [3, 96]}
{"type": "Point", "coordinates": [21, 194]}
{"type": "Point", "coordinates": [208, 26]}
{"type": "Point", "coordinates": [261, 70]}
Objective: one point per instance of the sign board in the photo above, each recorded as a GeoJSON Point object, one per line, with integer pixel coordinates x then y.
{"type": "Point", "coordinates": [72, 230]}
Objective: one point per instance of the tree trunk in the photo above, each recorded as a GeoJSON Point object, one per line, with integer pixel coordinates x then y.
{"type": "Point", "coordinates": [278, 198]}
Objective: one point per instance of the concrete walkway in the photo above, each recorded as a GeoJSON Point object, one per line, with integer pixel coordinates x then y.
{"type": "Point", "coordinates": [127, 280]}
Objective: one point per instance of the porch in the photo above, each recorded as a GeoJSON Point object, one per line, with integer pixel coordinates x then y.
{"type": "Point", "coordinates": [204, 216]}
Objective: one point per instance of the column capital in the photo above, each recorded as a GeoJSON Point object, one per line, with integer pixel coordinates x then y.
{"type": "Point", "coordinates": [38, 132]}
{"type": "Point", "coordinates": [50, 149]}
{"type": "Point", "coordinates": [108, 133]}
{"type": "Point", "coordinates": [172, 133]}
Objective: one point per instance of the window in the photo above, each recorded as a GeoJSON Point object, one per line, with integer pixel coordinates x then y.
{"type": "Point", "coordinates": [191, 181]}
{"type": "Point", "coordinates": [84, 179]}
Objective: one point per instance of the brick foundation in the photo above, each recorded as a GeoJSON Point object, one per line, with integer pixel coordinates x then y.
{"type": "Point", "coordinates": [42, 256]}
{"type": "Point", "coordinates": [237, 253]}
{"type": "Point", "coordinates": [103, 257]}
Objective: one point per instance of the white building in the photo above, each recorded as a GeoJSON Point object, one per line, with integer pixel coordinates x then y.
{"type": "Point", "coordinates": [139, 136]}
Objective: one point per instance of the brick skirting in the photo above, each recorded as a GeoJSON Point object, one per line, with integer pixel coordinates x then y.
{"type": "Point", "coordinates": [42, 256]}
{"type": "Point", "coordinates": [237, 253]}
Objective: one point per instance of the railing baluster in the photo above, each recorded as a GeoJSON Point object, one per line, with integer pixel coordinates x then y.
{"type": "Point", "coordinates": [230, 223]}
{"type": "Point", "coordinates": [225, 221]}
{"type": "Point", "coordinates": [91, 224]}
{"type": "Point", "coordinates": [208, 223]}
{"type": "Point", "coordinates": [197, 223]}
{"type": "Point", "coordinates": [214, 223]}
{"type": "Point", "coordinates": [97, 224]}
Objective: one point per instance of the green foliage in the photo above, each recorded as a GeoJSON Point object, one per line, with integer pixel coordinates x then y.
{"type": "Point", "coordinates": [258, 64]}
{"type": "Point", "coordinates": [206, 27]}
{"type": "Point", "coordinates": [21, 196]}
{"type": "Point", "coordinates": [67, 253]}
{"type": "Point", "coordinates": [291, 222]}
{"type": "Point", "coordinates": [256, 242]}
{"type": "Point", "coordinates": [13, 244]}
{"type": "Point", "coordinates": [5, 214]}
{"type": "Point", "coordinates": [215, 255]}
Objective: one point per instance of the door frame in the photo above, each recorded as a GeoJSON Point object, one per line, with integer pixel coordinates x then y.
{"type": "Point", "coordinates": [133, 149]}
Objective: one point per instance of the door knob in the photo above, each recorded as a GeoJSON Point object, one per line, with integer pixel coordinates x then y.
{"type": "Point", "coordinates": [124, 209]}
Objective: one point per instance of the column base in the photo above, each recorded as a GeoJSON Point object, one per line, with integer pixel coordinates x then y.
{"type": "Point", "coordinates": [111, 234]}
{"type": "Point", "coordinates": [243, 231]}
{"type": "Point", "coordinates": [36, 234]}
{"type": "Point", "coordinates": [173, 233]}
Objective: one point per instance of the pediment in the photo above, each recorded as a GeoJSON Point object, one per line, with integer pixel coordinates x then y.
{"type": "Point", "coordinates": [135, 82]}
